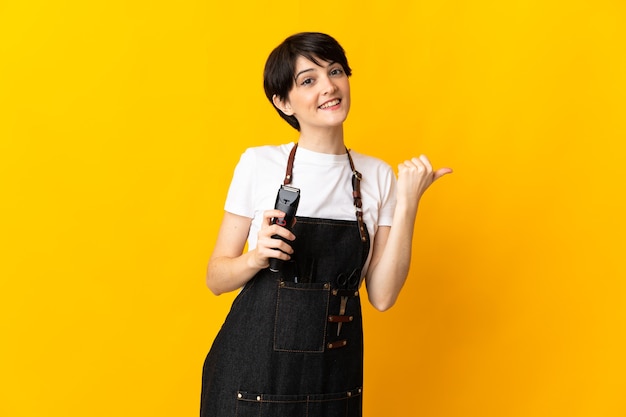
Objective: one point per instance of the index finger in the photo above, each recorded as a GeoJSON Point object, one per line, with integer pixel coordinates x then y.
{"type": "Point", "coordinates": [426, 162]}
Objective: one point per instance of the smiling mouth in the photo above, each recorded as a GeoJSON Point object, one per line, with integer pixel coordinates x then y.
{"type": "Point", "coordinates": [330, 104]}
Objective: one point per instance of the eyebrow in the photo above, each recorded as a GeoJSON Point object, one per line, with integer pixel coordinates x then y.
{"type": "Point", "coordinates": [302, 72]}
{"type": "Point", "coordinates": [330, 64]}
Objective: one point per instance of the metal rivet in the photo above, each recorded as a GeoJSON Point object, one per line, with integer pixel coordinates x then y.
{"type": "Point", "coordinates": [335, 292]}
{"type": "Point", "coordinates": [356, 293]}
{"type": "Point", "coordinates": [349, 394]}
{"type": "Point", "coordinates": [360, 390]}
{"type": "Point", "coordinates": [326, 286]}
{"type": "Point", "coordinates": [239, 395]}
{"type": "Point", "coordinates": [282, 283]}
{"type": "Point", "coordinates": [258, 398]}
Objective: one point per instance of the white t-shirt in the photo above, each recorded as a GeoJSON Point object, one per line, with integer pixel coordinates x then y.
{"type": "Point", "coordinates": [325, 183]}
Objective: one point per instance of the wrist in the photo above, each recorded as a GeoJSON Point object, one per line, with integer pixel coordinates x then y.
{"type": "Point", "coordinates": [253, 263]}
{"type": "Point", "coordinates": [406, 208]}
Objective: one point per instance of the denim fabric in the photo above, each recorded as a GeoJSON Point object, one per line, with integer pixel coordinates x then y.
{"type": "Point", "coordinates": [278, 354]}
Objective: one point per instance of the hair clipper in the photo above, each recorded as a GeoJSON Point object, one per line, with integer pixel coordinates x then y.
{"type": "Point", "coordinates": [286, 201]}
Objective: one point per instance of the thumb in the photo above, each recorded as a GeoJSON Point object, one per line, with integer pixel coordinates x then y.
{"type": "Point", "coordinates": [441, 172]}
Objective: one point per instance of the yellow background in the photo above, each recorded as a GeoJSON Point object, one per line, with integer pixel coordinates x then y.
{"type": "Point", "coordinates": [121, 122]}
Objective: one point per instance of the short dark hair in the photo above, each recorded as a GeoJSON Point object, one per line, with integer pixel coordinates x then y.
{"type": "Point", "coordinates": [280, 67]}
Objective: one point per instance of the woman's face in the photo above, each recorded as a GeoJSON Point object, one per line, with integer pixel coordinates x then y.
{"type": "Point", "coordinates": [320, 97]}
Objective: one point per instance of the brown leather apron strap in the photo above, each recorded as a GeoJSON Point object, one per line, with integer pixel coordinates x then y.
{"type": "Point", "coordinates": [356, 188]}
{"type": "Point", "coordinates": [356, 193]}
{"type": "Point", "coordinates": [289, 173]}
{"type": "Point", "coordinates": [340, 319]}
{"type": "Point", "coordinates": [337, 344]}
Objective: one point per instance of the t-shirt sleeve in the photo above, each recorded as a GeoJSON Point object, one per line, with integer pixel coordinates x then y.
{"type": "Point", "coordinates": [387, 184]}
{"type": "Point", "coordinates": [240, 198]}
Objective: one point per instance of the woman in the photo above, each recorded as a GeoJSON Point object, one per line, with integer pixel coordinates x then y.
{"type": "Point", "coordinates": [292, 342]}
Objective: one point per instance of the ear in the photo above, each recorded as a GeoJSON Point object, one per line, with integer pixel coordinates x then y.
{"type": "Point", "coordinates": [282, 105]}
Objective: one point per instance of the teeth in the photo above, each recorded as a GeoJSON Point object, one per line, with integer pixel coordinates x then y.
{"type": "Point", "coordinates": [329, 104]}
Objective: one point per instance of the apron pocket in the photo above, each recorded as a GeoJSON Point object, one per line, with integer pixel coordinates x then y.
{"type": "Point", "coordinates": [343, 404]}
{"type": "Point", "coordinates": [301, 317]}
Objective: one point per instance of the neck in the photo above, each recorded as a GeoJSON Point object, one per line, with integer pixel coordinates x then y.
{"type": "Point", "coordinates": [323, 141]}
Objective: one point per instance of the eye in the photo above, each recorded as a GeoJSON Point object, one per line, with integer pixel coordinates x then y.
{"type": "Point", "coordinates": [307, 81]}
{"type": "Point", "coordinates": [336, 71]}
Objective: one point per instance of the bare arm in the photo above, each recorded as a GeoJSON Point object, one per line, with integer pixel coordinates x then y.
{"type": "Point", "coordinates": [229, 268]}
{"type": "Point", "coordinates": [391, 256]}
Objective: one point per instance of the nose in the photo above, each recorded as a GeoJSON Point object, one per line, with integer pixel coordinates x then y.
{"type": "Point", "coordinates": [328, 86]}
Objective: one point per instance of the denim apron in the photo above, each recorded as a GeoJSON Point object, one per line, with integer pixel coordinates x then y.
{"type": "Point", "coordinates": [292, 343]}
